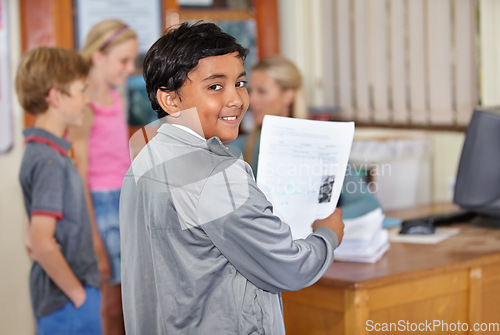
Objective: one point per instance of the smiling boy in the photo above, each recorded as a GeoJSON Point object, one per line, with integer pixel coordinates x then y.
{"type": "Point", "coordinates": [202, 252]}
{"type": "Point", "coordinates": [216, 89]}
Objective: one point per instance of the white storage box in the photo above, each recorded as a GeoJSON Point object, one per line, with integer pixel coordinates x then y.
{"type": "Point", "coordinates": [398, 168]}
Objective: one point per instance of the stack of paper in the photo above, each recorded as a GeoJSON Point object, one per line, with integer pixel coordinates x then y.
{"type": "Point", "coordinates": [364, 239]}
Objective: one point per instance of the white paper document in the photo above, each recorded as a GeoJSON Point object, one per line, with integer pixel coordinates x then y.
{"type": "Point", "coordinates": [302, 164]}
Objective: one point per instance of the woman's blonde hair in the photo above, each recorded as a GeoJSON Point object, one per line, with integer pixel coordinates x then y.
{"type": "Point", "coordinates": [105, 35]}
{"type": "Point", "coordinates": [287, 76]}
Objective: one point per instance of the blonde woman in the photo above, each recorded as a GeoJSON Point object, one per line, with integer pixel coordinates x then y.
{"type": "Point", "coordinates": [275, 89]}
{"type": "Point", "coordinates": [102, 154]}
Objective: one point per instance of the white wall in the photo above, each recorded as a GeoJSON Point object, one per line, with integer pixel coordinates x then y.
{"type": "Point", "coordinates": [15, 308]}
{"type": "Point", "coordinates": [447, 147]}
{"type": "Point", "coordinates": [490, 51]}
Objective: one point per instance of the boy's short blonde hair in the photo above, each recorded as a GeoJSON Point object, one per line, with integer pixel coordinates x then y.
{"type": "Point", "coordinates": [43, 68]}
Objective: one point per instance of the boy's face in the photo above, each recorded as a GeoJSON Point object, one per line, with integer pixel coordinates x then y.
{"type": "Point", "coordinates": [73, 104]}
{"type": "Point", "coordinates": [216, 90]}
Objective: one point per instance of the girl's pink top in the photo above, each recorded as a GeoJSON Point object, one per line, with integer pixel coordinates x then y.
{"type": "Point", "coordinates": [109, 156]}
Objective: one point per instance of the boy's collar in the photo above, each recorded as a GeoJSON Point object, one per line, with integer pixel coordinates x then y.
{"type": "Point", "coordinates": [39, 135]}
{"type": "Point", "coordinates": [213, 144]}
{"type": "Point", "coordinates": [189, 130]}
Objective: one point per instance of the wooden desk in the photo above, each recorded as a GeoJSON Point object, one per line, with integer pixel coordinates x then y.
{"type": "Point", "coordinates": [457, 280]}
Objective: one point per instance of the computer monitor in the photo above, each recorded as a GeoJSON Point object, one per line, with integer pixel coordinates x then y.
{"type": "Point", "coordinates": [477, 187]}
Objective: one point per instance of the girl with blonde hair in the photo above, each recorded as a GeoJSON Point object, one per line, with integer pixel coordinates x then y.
{"type": "Point", "coordinates": [102, 153]}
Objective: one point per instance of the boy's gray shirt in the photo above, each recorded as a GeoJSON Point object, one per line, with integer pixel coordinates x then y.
{"type": "Point", "coordinates": [52, 186]}
{"type": "Point", "coordinates": [202, 252]}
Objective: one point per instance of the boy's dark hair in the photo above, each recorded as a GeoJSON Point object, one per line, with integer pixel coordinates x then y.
{"type": "Point", "coordinates": [174, 55]}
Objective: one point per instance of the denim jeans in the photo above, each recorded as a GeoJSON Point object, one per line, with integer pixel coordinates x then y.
{"type": "Point", "coordinates": [84, 320]}
{"type": "Point", "coordinates": [106, 214]}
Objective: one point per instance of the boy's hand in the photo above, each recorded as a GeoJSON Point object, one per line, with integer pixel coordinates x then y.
{"type": "Point", "coordinates": [48, 254]}
{"type": "Point", "coordinates": [334, 222]}
{"type": "Point", "coordinates": [79, 297]}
